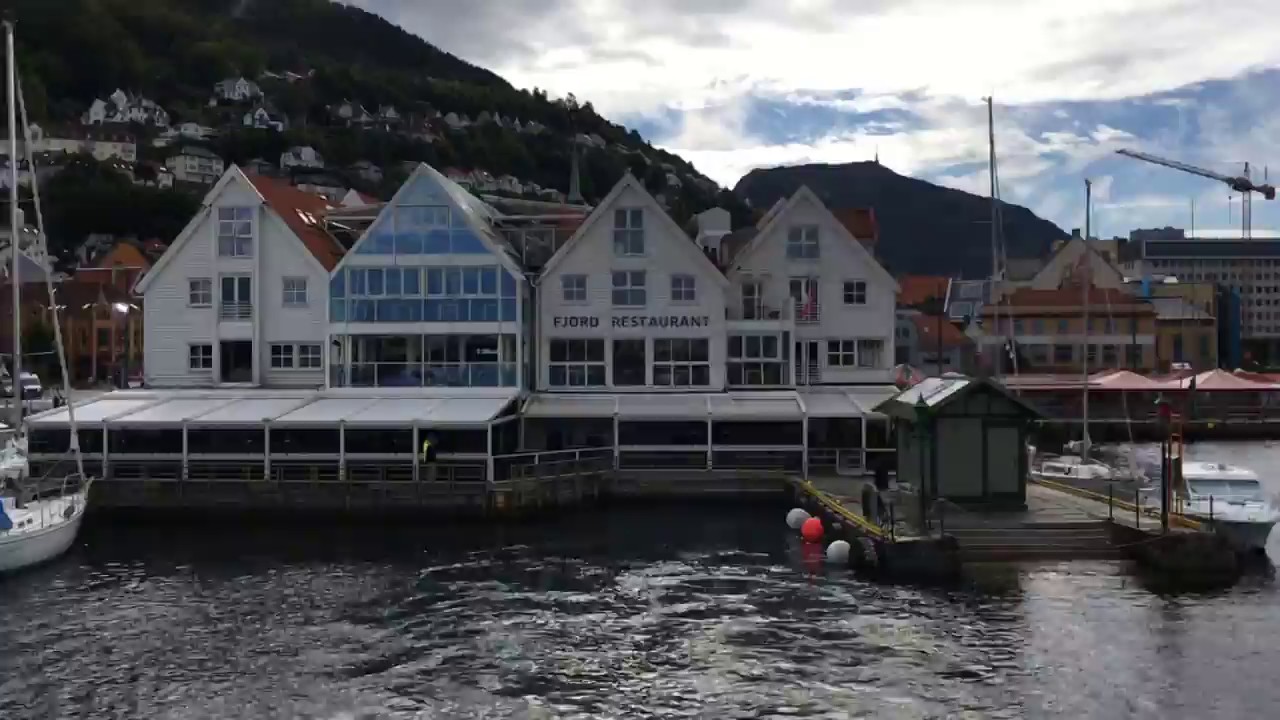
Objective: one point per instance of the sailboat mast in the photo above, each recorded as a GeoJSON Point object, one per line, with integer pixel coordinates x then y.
{"type": "Point", "coordinates": [15, 373]}
{"type": "Point", "coordinates": [995, 245]}
{"type": "Point", "coordinates": [1086, 281]}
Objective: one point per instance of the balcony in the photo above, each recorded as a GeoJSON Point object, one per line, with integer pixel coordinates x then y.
{"type": "Point", "coordinates": [236, 311]}
{"type": "Point", "coordinates": [759, 316]}
{"type": "Point", "coordinates": [808, 313]}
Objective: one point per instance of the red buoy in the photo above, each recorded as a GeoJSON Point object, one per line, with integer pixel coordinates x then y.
{"type": "Point", "coordinates": [811, 530]}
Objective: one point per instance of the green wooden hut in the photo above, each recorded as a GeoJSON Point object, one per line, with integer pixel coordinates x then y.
{"type": "Point", "coordinates": [963, 439]}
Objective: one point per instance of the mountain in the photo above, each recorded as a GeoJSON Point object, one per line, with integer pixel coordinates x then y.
{"type": "Point", "coordinates": [310, 56]}
{"type": "Point", "coordinates": [924, 228]}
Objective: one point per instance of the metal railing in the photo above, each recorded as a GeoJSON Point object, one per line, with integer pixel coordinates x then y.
{"type": "Point", "coordinates": [235, 311]}
{"type": "Point", "coordinates": [807, 313]}
{"type": "Point", "coordinates": [759, 311]}
{"type": "Point", "coordinates": [847, 461]}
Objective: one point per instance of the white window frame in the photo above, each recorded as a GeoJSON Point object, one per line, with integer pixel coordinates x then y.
{"type": "Point", "coordinates": [674, 365]}
{"type": "Point", "coordinates": [842, 353]}
{"type": "Point", "coordinates": [684, 288]}
{"type": "Point", "coordinates": [573, 288]}
{"type": "Point", "coordinates": [200, 357]}
{"type": "Point", "coordinates": [200, 292]}
{"type": "Point", "coordinates": [577, 372]}
{"type": "Point", "coordinates": [633, 290]}
{"type": "Point", "coordinates": [803, 243]}
{"type": "Point", "coordinates": [870, 352]}
{"type": "Point", "coordinates": [855, 292]}
{"type": "Point", "coordinates": [295, 296]}
{"type": "Point", "coordinates": [753, 363]}
{"type": "Point", "coordinates": [628, 232]}
{"type": "Point", "coordinates": [309, 356]}
{"type": "Point", "coordinates": [235, 232]}
{"type": "Point", "coordinates": [284, 356]}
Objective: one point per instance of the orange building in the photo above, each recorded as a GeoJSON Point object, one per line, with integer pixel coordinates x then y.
{"type": "Point", "coordinates": [1048, 329]}
{"type": "Point", "coordinates": [101, 330]}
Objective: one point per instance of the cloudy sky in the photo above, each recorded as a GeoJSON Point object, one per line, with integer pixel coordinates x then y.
{"type": "Point", "coordinates": [736, 84]}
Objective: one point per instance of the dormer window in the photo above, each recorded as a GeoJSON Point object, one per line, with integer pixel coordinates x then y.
{"type": "Point", "coordinates": [802, 242]}
{"type": "Point", "coordinates": [235, 232]}
{"type": "Point", "coordinates": [628, 232]}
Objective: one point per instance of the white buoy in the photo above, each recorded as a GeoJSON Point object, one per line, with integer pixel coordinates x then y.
{"type": "Point", "coordinates": [796, 518]}
{"type": "Point", "coordinates": [838, 553]}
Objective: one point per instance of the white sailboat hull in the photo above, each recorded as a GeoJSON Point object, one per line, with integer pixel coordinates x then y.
{"type": "Point", "coordinates": [55, 523]}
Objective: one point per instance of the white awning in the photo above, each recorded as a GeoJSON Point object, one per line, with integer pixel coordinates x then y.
{"type": "Point", "coordinates": [832, 403]}
{"type": "Point", "coordinates": [325, 411]}
{"type": "Point", "coordinates": [784, 405]}
{"type": "Point", "coordinates": [570, 405]}
{"type": "Point", "coordinates": [251, 411]}
{"type": "Point", "coordinates": [428, 412]}
{"type": "Point", "coordinates": [663, 407]}
{"type": "Point", "coordinates": [869, 397]}
{"type": "Point", "coordinates": [171, 412]}
{"type": "Point", "coordinates": [93, 412]}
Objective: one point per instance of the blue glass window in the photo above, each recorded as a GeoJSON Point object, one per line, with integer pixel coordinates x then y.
{"type": "Point", "coordinates": [338, 285]}
{"type": "Point", "coordinates": [470, 281]}
{"type": "Point", "coordinates": [363, 310]}
{"type": "Point", "coordinates": [436, 243]}
{"type": "Point", "coordinates": [508, 310]}
{"type": "Point", "coordinates": [373, 280]}
{"type": "Point", "coordinates": [393, 281]}
{"type": "Point", "coordinates": [508, 284]}
{"type": "Point", "coordinates": [432, 310]}
{"type": "Point", "coordinates": [488, 281]}
{"type": "Point", "coordinates": [466, 242]}
{"type": "Point", "coordinates": [412, 281]}
{"type": "Point", "coordinates": [453, 282]}
{"type": "Point", "coordinates": [435, 281]}
{"type": "Point", "coordinates": [484, 310]}
{"type": "Point", "coordinates": [409, 243]}
{"type": "Point", "coordinates": [337, 311]}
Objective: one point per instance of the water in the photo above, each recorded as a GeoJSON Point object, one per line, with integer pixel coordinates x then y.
{"type": "Point", "coordinates": [645, 613]}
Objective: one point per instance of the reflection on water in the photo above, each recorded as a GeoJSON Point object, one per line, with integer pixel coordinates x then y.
{"type": "Point", "coordinates": [631, 614]}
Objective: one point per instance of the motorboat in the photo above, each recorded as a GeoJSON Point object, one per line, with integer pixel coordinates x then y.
{"type": "Point", "coordinates": [1232, 500]}
{"type": "Point", "coordinates": [1072, 468]}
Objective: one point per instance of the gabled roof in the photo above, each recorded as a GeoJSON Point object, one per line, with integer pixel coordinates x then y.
{"type": "Point", "coordinates": [301, 211]}
{"type": "Point", "coordinates": [1089, 247]}
{"type": "Point", "coordinates": [916, 289]}
{"type": "Point", "coordinates": [478, 215]}
{"type": "Point", "coordinates": [605, 207]}
{"type": "Point", "coordinates": [778, 216]}
{"type": "Point", "coordinates": [930, 327]}
{"type": "Point", "coordinates": [280, 200]}
{"type": "Point", "coordinates": [936, 392]}
{"type": "Point", "coordinates": [861, 223]}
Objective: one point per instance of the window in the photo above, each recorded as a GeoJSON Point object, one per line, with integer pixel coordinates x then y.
{"type": "Point", "coordinates": [681, 362]}
{"type": "Point", "coordinates": [629, 362]}
{"type": "Point", "coordinates": [573, 288]}
{"type": "Point", "coordinates": [309, 357]}
{"type": "Point", "coordinates": [752, 300]}
{"type": "Point", "coordinates": [1063, 328]}
{"type": "Point", "coordinates": [295, 292]}
{"type": "Point", "coordinates": [1110, 355]}
{"type": "Point", "coordinates": [628, 232]}
{"type": "Point", "coordinates": [842, 353]}
{"type": "Point", "coordinates": [237, 297]}
{"type": "Point", "coordinates": [1037, 326]}
{"type": "Point", "coordinates": [1063, 353]}
{"type": "Point", "coordinates": [199, 292]}
{"type": "Point", "coordinates": [755, 360]}
{"type": "Point", "coordinates": [802, 242]}
{"type": "Point", "coordinates": [282, 356]}
{"type": "Point", "coordinates": [577, 362]}
{"type": "Point", "coordinates": [629, 288]}
{"type": "Point", "coordinates": [855, 292]}
{"type": "Point", "coordinates": [804, 292]}
{"type": "Point", "coordinates": [683, 288]}
{"type": "Point", "coordinates": [870, 352]}
{"type": "Point", "coordinates": [235, 232]}
{"type": "Point", "coordinates": [200, 357]}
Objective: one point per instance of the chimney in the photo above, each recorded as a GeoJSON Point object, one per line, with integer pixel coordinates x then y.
{"type": "Point", "coordinates": [575, 183]}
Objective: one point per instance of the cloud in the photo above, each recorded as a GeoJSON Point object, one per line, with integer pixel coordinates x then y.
{"type": "Point", "coordinates": [733, 85]}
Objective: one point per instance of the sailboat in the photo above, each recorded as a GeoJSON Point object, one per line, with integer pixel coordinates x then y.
{"type": "Point", "coordinates": [37, 523]}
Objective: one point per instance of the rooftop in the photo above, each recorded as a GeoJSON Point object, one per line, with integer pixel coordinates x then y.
{"type": "Point", "coordinates": [302, 212]}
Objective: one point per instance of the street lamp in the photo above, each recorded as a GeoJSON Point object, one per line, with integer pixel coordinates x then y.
{"type": "Point", "coordinates": [1164, 418]}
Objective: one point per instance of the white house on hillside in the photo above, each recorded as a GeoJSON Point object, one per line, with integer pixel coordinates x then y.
{"type": "Point", "coordinates": [240, 297]}
{"type": "Point", "coordinates": [301, 157]}
{"type": "Point", "coordinates": [196, 164]}
{"type": "Point", "coordinates": [236, 90]}
{"type": "Point", "coordinates": [629, 302]}
{"type": "Point", "coordinates": [122, 107]}
{"type": "Point", "coordinates": [802, 263]}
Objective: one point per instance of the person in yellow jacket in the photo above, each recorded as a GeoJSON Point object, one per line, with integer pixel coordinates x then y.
{"type": "Point", "coordinates": [429, 457]}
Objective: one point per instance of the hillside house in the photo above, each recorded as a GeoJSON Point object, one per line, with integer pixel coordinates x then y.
{"type": "Point", "coordinates": [303, 157]}
{"type": "Point", "coordinates": [102, 145]}
{"type": "Point", "coordinates": [321, 183]}
{"type": "Point", "coordinates": [195, 164]}
{"type": "Point", "coordinates": [351, 113]}
{"type": "Point", "coordinates": [456, 121]}
{"type": "Point", "coordinates": [236, 90]}
{"type": "Point", "coordinates": [122, 108]}
{"type": "Point", "coordinates": [263, 119]}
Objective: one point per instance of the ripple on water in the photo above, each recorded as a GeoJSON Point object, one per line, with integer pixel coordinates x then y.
{"type": "Point", "coordinates": [623, 618]}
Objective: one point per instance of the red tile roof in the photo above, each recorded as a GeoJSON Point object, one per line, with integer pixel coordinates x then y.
{"type": "Point", "coordinates": [927, 330]}
{"type": "Point", "coordinates": [916, 289]}
{"type": "Point", "coordinates": [861, 223]}
{"type": "Point", "coordinates": [288, 202]}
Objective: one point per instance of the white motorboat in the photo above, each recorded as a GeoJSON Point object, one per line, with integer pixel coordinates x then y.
{"type": "Point", "coordinates": [1232, 500]}
{"type": "Point", "coordinates": [1064, 468]}
{"type": "Point", "coordinates": [35, 524]}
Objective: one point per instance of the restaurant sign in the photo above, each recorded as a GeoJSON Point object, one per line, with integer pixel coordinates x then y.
{"type": "Point", "coordinates": [633, 321]}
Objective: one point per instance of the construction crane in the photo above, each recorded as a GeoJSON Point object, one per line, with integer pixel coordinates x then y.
{"type": "Point", "coordinates": [1242, 184]}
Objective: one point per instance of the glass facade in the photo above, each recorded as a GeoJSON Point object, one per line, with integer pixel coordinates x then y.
{"type": "Point", "coordinates": [474, 293]}
{"type": "Point", "coordinates": [487, 360]}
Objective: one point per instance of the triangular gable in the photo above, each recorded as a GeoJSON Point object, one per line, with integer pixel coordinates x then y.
{"type": "Point", "coordinates": [771, 212]}
{"type": "Point", "coordinates": [232, 174]}
{"type": "Point", "coordinates": [605, 208]}
{"type": "Point", "coordinates": [804, 194]}
{"type": "Point", "coordinates": [427, 186]}
{"type": "Point", "coordinates": [1088, 248]}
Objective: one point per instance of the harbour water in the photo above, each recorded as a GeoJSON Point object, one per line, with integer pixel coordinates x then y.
{"type": "Point", "coordinates": [674, 611]}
